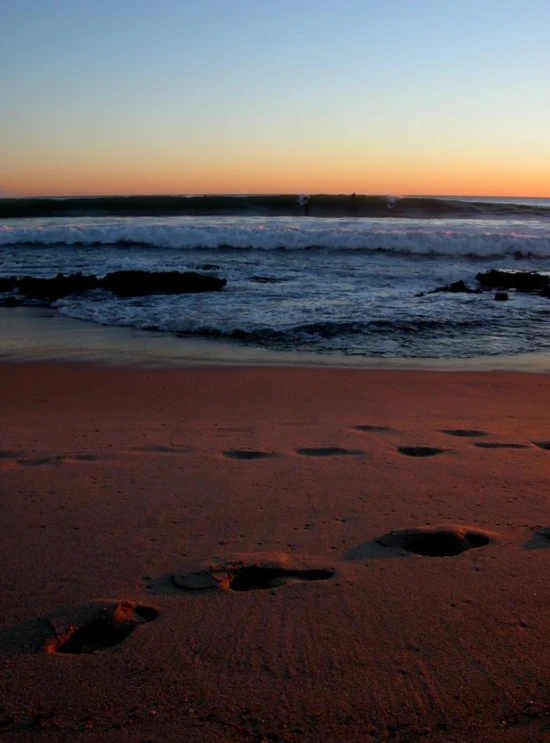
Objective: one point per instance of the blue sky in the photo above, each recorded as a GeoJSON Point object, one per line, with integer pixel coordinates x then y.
{"type": "Point", "coordinates": [241, 96]}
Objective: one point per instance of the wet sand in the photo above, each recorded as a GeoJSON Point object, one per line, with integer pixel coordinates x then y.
{"type": "Point", "coordinates": [273, 554]}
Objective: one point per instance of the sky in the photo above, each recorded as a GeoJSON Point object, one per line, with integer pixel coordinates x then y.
{"type": "Point", "coordinates": [264, 96]}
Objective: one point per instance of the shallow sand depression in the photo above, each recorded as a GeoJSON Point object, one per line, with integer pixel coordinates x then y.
{"type": "Point", "coordinates": [273, 554]}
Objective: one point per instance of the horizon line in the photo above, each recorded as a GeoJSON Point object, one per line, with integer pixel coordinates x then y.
{"type": "Point", "coordinates": [5, 196]}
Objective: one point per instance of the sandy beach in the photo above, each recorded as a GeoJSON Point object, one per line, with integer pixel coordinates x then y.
{"type": "Point", "coordinates": [273, 554]}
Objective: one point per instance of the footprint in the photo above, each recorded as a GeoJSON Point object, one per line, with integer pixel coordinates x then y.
{"type": "Point", "coordinates": [464, 432]}
{"type": "Point", "coordinates": [97, 627]}
{"type": "Point", "coordinates": [499, 445]}
{"type": "Point", "coordinates": [39, 461]}
{"type": "Point", "coordinates": [420, 451]}
{"type": "Point", "coordinates": [374, 429]}
{"type": "Point", "coordinates": [248, 573]}
{"type": "Point", "coordinates": [82, 458]}
{"type": "Point", "coordinates": [258, 577]}
{"type": "Point", "coordinates": [443, 541]}
{"type": "Point", "coordinates": [328, 451]}
{"type": "Point", "coordinates": [540, 540]}
{"type": "Point", "coordinates": [163, 449]}
{"type": "Point", "coordinates": [248, 454]}
{"type": "Point", "coordinates": [7, 454]}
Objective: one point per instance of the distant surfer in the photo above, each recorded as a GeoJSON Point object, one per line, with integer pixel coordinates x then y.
{"type": "Point", "coordinates": [391, 202]}
{"type": "Point", "coordinates": [303, 201]}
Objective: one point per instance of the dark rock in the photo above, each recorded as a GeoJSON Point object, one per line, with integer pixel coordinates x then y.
{"type": "Point", "coordinates": [123, 283]}
{"type": "Point", "coordinates": [501, 282]}
{"type": "Point", "coordinates": [143, 283]}
{"type": "Point", "coordinates": [8, 283]}
{"type": "Point", "coordinates": [457, 287]}
{"type": "Point", "coordinates": [522, 281]}
{"type": "Point", "coordinates": [58, 287]}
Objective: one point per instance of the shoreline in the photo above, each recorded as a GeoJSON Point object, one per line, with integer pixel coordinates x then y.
{"type": "Point", "coordinates": [41, 334]}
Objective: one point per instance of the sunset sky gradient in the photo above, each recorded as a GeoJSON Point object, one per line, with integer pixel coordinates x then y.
{"type": "Point", "coordinates": [246, 96]}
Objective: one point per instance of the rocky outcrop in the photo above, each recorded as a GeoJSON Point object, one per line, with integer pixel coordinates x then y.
{"type": "Point", "coordinates": [122, 283]}
{"type": "Point", "coordinates": [50, 289]}
{"type": "Point", "coordinates": [522, 281]}
{"type": "Point", "coordinates": [457, 287]}
{"type": "Point", "coordinates": [142, 283]}
{"type": "Point", "coordinates": [500, 282]}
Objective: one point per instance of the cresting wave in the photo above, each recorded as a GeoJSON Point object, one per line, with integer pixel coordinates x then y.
{"type": "Point", "coordinates": [450, 237]}
{"type": "Point", "coordinates": [285, 205]}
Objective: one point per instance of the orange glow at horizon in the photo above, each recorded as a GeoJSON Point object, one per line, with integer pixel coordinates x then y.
{"type": "Point", "coordinates": [115, 173]}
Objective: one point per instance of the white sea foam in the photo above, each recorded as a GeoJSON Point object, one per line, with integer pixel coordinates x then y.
{"type": "Point", "coordinates": [423, 237]}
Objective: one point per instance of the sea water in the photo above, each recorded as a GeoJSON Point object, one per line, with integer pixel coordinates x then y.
{"type": "Point", "coordinates": [342, 286]}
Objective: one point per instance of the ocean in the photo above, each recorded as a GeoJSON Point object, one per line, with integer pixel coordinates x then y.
{"type": "Point", "coordinates": [328, 277]}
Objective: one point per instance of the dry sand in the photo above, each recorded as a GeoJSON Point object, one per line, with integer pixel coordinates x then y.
{"type": "Point", "coordinates": [194, 555]}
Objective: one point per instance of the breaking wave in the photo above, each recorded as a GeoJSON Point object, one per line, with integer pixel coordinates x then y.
{"type": "Point", "coordinates": [451, 237]}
